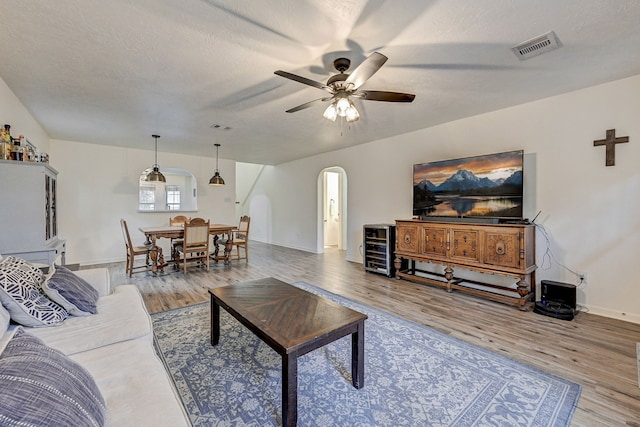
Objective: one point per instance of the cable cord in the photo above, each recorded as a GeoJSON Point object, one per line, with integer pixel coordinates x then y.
{"type": "Point", "coordinates": [549, 256]}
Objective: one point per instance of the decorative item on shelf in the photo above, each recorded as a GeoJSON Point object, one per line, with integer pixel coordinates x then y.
{"type": "Point", "coordinates": [216, 179]}
{"type": "Point", "coordinates": [6, 144]}
{"type": "Point", "coordinates": [30, 149]}
{"type": "Point", "coordinates": [155, 175]}
{"type": "Point", "coordinates": [13, 148]}
{"type": "Point", "coordinates": [6, 134]}
{"type": "Point", "coordinates": [5, 148]}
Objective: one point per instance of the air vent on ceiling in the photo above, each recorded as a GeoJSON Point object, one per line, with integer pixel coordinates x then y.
{"type": "Point", "coordinates": [219, 127]}
{"type": "Point", "coordinates": [537, 46]}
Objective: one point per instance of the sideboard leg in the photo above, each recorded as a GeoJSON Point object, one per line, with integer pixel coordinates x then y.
{"type": "Point", "coordinates": [448, 274]}
{"type": "Point", "coordinates": [524, 290]}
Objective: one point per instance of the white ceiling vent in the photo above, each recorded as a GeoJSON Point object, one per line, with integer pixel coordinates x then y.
{"type": "Point", "coordinates": [537, 46]}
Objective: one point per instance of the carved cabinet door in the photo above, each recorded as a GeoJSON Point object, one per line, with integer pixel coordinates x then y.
{"type": "Point", "coordinates": [434, 241]}
{"type": "Point", "coordinates": [465, 245]}
{"type": "Point", "coordinates": [407, 238]}
{"type": "Point", "coordinates": [502, 248]}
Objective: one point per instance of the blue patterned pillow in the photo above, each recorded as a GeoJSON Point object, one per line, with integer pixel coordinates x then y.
{"type": "Point", "coordinates": [41, 386]}
{"type": "Point", "coordinates": [73, 293]}
{"type": "Point", "coordinates": [21, 296]}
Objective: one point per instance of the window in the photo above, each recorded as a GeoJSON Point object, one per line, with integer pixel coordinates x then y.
{"type": "Point", "coordinates": [173, 197]}
{"type": "Point", "coordinates": [178, 193]}
{"type": "Point", "coordinates": [147, 197]}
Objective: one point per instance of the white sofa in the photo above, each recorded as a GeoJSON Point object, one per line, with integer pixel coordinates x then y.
{"type": "Point", "coordinates": [116, 347]}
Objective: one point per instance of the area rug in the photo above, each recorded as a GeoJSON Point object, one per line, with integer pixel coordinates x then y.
{"type": "Point", "coordinates": [414, 376]}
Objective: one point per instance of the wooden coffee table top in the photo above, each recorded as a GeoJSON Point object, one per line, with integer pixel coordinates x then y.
{"type": "Point", "coordinates": [287, 318]}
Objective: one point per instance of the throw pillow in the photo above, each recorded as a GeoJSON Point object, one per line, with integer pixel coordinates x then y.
{"type": "Point", "coordinates": [21, 296]}
{"type": "Point", "coordinates": [41, 386]}
{"type": "Point", "coordinates": [5, 317]}
{"type": "Point", "coordinates": [73, 293]}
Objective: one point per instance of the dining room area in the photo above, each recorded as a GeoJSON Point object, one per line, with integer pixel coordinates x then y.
{"type": "Point", "coordinates": [183, 244]}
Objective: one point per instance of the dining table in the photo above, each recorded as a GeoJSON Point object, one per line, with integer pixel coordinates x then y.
{"type": "Point", "coordinates": [218, 231]}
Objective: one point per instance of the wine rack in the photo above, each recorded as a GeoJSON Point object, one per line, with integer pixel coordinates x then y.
{"type": "Point", "coordinates": [378, 248]}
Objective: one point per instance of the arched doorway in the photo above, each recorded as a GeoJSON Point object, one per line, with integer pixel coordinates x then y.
{"type": "Point", "coordinates": [332, 209]}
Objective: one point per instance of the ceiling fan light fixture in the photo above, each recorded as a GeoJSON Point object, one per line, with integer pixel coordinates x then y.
{"type": "Point", "coordinates": [343, 86]}
{"type": "Point", "coordinates": [216, 179]}
{"type": "Point", "coordinates": [342, 105]}
{"type": "Point", "coordinates": [155, 175]}
{"type": "Point", "coordinates": [352, 114]}
{"type": "Point", "coordinates": [331, 113]}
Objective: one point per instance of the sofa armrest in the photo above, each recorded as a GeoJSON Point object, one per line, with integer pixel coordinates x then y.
{"type": "Point", "coordinates": [98, 278]}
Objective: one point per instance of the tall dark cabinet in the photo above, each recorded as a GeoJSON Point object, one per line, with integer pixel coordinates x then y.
{"type": "Point", "coordinates": [378, 248]}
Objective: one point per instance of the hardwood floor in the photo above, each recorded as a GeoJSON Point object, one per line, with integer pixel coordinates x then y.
{"type": "Point", "coordinates": [597, 352]}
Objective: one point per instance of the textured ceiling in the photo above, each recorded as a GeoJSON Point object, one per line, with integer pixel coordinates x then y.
{"type": "Point", "coordinates": [114, 72]}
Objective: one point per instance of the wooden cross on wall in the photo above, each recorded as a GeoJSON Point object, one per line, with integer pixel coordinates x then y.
{"type": "Point", "coordinates": [610, 142]}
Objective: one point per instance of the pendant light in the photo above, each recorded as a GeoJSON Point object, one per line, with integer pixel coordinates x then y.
{"type": "Point", "coordinates": [155, 175]}
{"type": "Point", "coordinates": [216, 179]}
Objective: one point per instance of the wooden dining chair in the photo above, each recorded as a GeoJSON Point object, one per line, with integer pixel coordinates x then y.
{"type": "Point", "coordinates": [177, 221]}
{"type": "Point", "coordinates": [241, 237]}
{"type": "Point", "coordinates": [195, 246]}
{"type": "Point", "coordinates": [133, 251]}
{"type": "Point", "coordinates": [198, 221]}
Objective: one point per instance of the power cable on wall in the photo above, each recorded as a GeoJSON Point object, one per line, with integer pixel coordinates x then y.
{"type": "Point", "coordinates": [549, 256]}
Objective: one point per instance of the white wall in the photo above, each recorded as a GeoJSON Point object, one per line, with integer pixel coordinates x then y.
{"type": "Point", "coordinates": [591, 212]}
{"type": "Point", "coordinates": [98, 185]}
{"type": "Point", "coordinates": [246, 176]}
{"type": "Point", "coordinates": [12, 112]}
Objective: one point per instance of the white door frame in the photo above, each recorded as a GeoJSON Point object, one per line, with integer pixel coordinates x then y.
{"type": "Point", "coordinates": [322, 207]}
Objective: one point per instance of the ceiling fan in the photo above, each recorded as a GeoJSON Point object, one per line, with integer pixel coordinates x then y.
{"type": "Point", "coordinates": [342, 87]}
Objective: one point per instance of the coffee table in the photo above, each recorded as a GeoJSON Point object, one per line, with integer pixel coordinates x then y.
{"type": "Point", "coordinates": [293, 322]}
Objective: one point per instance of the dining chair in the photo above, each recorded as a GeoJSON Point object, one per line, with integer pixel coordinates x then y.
{"type": "Point", "coordinates": [177, 221]}
{"type": "Point", "coordinates": [198, 221]}
{"type": "Point", "coordinates": [133, 251]}
{"type": "Point", "coordinates": [195, 246]}
{"type": "Point", "coordinates": [241, 237]}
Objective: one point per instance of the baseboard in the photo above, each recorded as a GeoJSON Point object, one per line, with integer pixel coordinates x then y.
{"type": "Point", "coordinates": [299, 248]}
{"type": "Point", "coordinates": [606, 312]}
{"type": "Point", "coordinates": [96, 262]}
{"type": "Point", "coordinates": [638, 357]}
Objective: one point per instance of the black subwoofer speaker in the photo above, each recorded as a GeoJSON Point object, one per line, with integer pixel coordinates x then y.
{"type": "Point", "coordinates": [556, 300]}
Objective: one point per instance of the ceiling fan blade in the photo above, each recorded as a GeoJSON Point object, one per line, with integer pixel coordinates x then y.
{"type": "Point", "coordinates": [381, 95]}
{"type": "Point", "coordinates": [302, 80]}
{"type": "Point", "coordinates": [308, 104]}
{"type": "Point", "coordinates": [365, 70]}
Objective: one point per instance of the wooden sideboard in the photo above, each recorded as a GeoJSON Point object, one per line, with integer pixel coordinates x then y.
{"type": "Point", "coordinates": [494, 249]}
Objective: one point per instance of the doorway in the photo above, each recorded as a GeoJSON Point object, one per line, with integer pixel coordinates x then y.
{"type": "Point", "coordinates": [332, 207]}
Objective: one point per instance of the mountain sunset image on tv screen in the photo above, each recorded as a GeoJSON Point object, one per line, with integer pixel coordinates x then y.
{"type": "Point", "coordinates": [481, 186]}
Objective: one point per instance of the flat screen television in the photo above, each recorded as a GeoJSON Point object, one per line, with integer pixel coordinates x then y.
{"type": "Point", "coordinates": [489, 186]}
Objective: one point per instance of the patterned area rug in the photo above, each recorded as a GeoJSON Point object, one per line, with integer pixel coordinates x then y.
{"type": "Point", "coordinates": [414, 376]}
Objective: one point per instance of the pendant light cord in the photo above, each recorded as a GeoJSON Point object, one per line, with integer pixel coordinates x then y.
{"type": "Point", "coordinates": [156, 155]}
{"type": "Point", "coordinates": [217, 150]}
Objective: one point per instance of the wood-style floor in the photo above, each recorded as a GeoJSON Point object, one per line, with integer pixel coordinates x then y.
{"type": "Point", "coordinates": [597, 352]}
